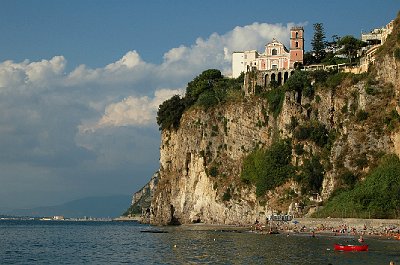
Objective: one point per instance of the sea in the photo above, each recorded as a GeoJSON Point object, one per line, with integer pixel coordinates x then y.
{"type": "Point", "coordinates": [95, 242]}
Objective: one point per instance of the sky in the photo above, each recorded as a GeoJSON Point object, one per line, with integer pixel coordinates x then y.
{"type": "Point", "coordinates": [81, 80]}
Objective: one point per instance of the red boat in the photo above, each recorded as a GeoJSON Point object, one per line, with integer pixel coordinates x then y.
{"type": "Point", "coordinates": [351, 247]}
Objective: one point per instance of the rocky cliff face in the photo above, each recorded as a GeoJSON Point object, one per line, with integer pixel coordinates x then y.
{"type": "Point", "coordinates": [217, 140]}
{"type": "Point", "coordinates": [199, 178]}
{"type": "Point", "coordinates": [200, 163]}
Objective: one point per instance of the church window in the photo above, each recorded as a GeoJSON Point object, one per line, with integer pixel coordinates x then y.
{"type": "Point", "coordinates": [274, 52]}
{"type": "Point", "coordinates": [297, 35]}
{"type": "Point", "coordinates": [297, 43]}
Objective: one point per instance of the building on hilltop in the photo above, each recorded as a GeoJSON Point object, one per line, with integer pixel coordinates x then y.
{"type": "Point", "coordinates": [375, 39]}
{"type": "Point", "coordinates": [378, 36]}
{"type": "Point", "coordinates": [275, 57]}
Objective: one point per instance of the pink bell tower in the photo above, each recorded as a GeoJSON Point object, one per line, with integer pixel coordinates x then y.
{"type": "Point", "coordinates": [296, 46]}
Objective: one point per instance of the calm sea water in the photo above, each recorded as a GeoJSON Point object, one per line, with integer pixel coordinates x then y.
{"type": "Point", "coordinates": [59, 242]}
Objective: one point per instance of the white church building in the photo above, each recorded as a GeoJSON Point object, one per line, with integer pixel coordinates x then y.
{"type": "Point", "coordinates": [275, 57]}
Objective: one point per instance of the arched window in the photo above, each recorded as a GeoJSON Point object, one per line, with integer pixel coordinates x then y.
{"type": "Point", "coordinates": [297, 35]}
{"type": "Point", "coordinates": [297, 43]}
{"type": "Point", "coordinates": [274, 52]}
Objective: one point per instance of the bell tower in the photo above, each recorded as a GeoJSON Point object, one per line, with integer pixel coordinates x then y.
{"type": "Point", "coordinates": [296, 45]}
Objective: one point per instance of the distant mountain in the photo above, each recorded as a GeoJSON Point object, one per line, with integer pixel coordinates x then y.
{"type": "Point", "coordinates": [108, 206]}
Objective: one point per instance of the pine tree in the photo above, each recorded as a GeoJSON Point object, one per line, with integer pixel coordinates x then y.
{"type": "Point", "coordinates": [318, 42]}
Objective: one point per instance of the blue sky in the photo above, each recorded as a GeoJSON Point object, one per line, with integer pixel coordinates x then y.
{"type": "Point", "coordinates": [80, 81]}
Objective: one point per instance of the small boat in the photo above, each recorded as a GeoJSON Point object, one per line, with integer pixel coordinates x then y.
{"type": "Point", "coordinates": [341, 247]}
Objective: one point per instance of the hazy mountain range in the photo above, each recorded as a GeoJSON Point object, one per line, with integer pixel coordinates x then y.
{"type": "Point", "coordinates": [108, 206]}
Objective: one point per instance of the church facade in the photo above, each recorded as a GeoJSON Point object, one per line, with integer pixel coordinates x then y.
{"type": "Point", "coordinates": [275, 56]}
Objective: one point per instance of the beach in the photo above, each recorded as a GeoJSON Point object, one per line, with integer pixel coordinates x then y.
{"type": "Point", "coordinates": [335, 226]}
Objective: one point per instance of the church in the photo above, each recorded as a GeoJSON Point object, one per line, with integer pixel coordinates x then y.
{"type": "Point", "coordinates": [275, 57]}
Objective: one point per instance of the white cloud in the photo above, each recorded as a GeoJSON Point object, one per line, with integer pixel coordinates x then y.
{"type": "Point", "coordinates": [129, 60]}
{"type": "Point", "coordinates": [131, 111]}
{"type": "Point", "coordinates": [31, 74]}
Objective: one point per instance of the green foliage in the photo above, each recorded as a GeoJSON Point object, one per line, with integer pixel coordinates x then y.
{"type": "Point", "coordinates": [376, 197]}
{"type": "Point", "coordinates": [207, 99]}
{"type": "Point", "coordinates": [370, 90]}
{"type": "Point", "coordinates": [344, 109]}
{"type": "Point", "coordinates": [348, 179]}
{"type": "Point", "coordinates": [308, 58]}
{"type": "Point", "coordinates": [298, 81]}
{"type": "Point", "coordinates": [361, 161]}
{"type": "Point", "coordinates": [213, 172]}
{"type": "Point", "coordinates": [227, 195]}
{"type": "Point", "coordinates": [200, 84]}
{"type": "Point", "coordinates": [319, 76]}
{"type": "Point", "coordinates": [267, 169]}
{"type": "Point", "coordinates": [335, 79]}
{"type": "Point", "coordinates": [311, 175]}
{"type": "Point", "coordinates": [350, 46]}
{"type": "Point", "coordinates": [397, 54]}
{"type": "Point", "coordinates": [361, 115]}
{"type": "Point", "coordinates": [318, 42]}
{"type": "Point", "coordinates": [275, 99]}
{"type": "Point", "coordinates": [392, 120]}
{"type": "Point", "coordinates": [313, 131]}
{"type": "Point", "coordinates": [206, 90]}
{"type": "Point", "coordinates": [170, 112]}
{"type": "Point", "coordinates": [293, 124]}
{"type": "Point", "coordinates": [299, 149]}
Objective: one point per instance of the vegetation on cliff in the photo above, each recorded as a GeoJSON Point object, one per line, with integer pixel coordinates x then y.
{"type": "Point", "coordinates": [376, 197]}
{"type": "Point", "coordinates": [269, 168]}
{"type": "Point", "coordinates": [206, 90]}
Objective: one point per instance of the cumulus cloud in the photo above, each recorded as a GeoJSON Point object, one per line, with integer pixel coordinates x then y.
{"type": "Point", "coordinates": [131, 111]}
{"type": "Point", "coordinates": [31, 74]}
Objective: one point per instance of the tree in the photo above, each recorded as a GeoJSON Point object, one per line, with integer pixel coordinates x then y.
{"type": "Point", "coordinates": [298, 81]}
{"type": "Point", "coordinates": [201, 83]}
{"type": "Point", "coordinates": [318, 42]}
{"type": "Point", "coordinates": [170, 112]}
{"type": "Point", "coordinates": [350, 46]}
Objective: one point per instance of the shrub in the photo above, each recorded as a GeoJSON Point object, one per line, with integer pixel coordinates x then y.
{"type": "Point", "coordinates": [370, 90]}
{"type": "Point", "coordinates": [213, 172]}
{"type": "Point", "coordinates": [361, 115]}
{"type": "Point", "coordinates": [170, 112]}
{"type": "Point", "coordinates": [313, 131]}
{"type": "Point", "coordinates": [378, 196]}
{"type": "Point", "coordinates": [392, 119]}
{"type": "Point", "coordinates": [336, 79]}
{"type": "Point", "coordinates": [207, 99]}
{"type": "Point", "coordinates": [320, 76]}
{"type": "Point", "coordinates": [348, 179]}
{"type": "Point", "coordinates": [298, 81]}
{"type": "Point", "coordinates": [267, 169]}
{"type": "Point", "coordinates": [311, 175]}
{"type": "Point", "coordinates": [299, 149]}
{"type": "Point", "coordinates": [275, 99]}
{"type": "Point", "coordinates": [227, 195]}
{"type": "Point", "coordinates": [293, 124]}
{"type": "Point", "coordinates": [397, 54]}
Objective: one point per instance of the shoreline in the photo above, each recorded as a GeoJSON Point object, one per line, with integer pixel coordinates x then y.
{"type": "Point", "coordinates": [381, 228]}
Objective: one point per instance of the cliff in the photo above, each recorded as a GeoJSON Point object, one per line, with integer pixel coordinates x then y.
{"type": "Point", "coordinates": [345, 124]}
